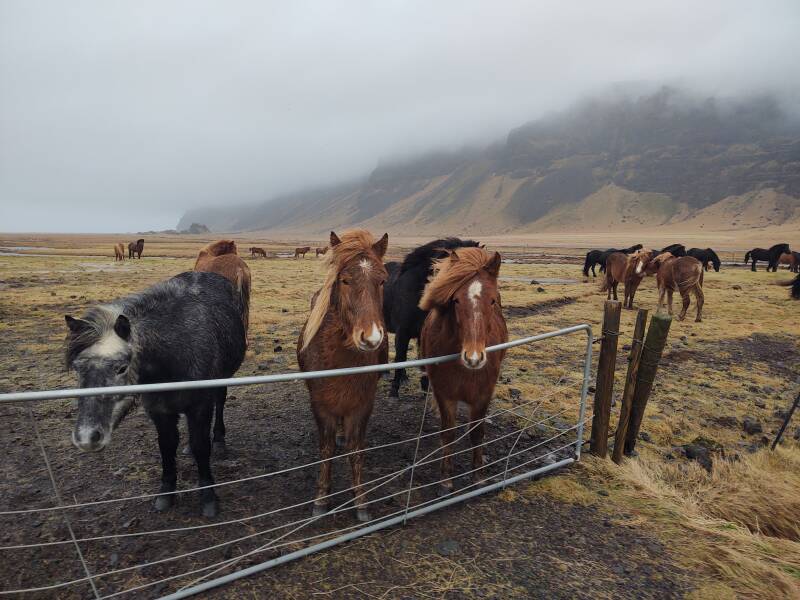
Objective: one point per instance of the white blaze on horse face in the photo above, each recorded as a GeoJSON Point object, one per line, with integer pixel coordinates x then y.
{"type": "Point", "coordinates": [639, 266]}
{"type": "Point", "coordinates": [474, 292]}
{"type": "Point", "coordinates": [365, 264]}
{"type": "Point", "coordinates": [375, 335]}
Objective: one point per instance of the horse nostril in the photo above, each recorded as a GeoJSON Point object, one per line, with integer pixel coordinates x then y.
{"type": "Point", "coordinates": [96, 436]}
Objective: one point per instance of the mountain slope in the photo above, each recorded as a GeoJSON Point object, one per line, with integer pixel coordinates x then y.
{"type": "Point", "coordinates": [657, 160]}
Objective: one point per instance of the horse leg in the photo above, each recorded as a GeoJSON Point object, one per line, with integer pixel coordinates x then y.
{"type": "Point", "coordinates": [669, 300]}
{"type": "Point", "coordinates": [753, 266]}
{"type": "Point", "coordinates": [220, 449]}
{"type": "Point", "coordinates": [593, 273]}
{"type": "Point", "coordinates": [686, 301]}
{"type": "Point", "coordinates": [401, 340]}
{"type": "Point", "coordinates": [198, 419]}
{"type": "Point", "coordinates": [616, 285]}
{"type": "Point", "coordinates": [355, 426]}
{"type": "Point", "coordinates": [700, 299]}
{"type": "Point", "coordinates": [447, 414]}
{"type": "Point", "coordinates": [476, 416]}
{"type": "Point", "coordinates": [326, 427]}
{"type": "Point", "coordinates": [167, 428]}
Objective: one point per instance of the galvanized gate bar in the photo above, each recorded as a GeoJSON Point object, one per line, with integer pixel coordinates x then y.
{"type": "Point", "coordinates": [260, 379]}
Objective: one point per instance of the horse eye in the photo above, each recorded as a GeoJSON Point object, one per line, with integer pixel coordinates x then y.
{"type": "Point", "coordinates": [345, 282]}
{"type": "Point", "coordinates": [494, 301]}
{"type": "Point", "coordinates": [122, 369]}
{"type": "Point", "coordinates": [455, 300]}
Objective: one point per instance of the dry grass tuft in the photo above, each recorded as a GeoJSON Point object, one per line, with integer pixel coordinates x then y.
{"type": "Point", "coordinates": [737, 526]}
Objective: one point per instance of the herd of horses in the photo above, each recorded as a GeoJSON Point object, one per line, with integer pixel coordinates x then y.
{"type": "Point", "coordinates": [134, 250]}
{"type": "Point", "coordinates": [194, 326]}
{"type": "Point", "coordinates": [676, 270]}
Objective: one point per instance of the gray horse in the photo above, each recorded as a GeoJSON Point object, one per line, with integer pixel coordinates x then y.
{"type": "Point", "coordinates": [185, 328]}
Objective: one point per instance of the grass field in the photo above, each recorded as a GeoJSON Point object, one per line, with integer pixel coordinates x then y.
{"type": "Point", "coordinates": [659, 525]}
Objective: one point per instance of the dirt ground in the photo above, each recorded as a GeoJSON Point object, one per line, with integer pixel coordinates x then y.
{"type": "Point", "coordinates": [573, 534]}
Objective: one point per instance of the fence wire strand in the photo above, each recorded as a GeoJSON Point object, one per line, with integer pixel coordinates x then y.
{"type": "Point", "coordinates": [284, 539]}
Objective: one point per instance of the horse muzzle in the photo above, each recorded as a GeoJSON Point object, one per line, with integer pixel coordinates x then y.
{"type": "Point", "coordinates": [368, 340]}
{"type": "Point", "coordinates": [473, 360]}
{"type": "Point", "coordinates": [90, 439]}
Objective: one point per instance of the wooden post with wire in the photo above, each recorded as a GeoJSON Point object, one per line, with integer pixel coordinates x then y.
{"type": "Point", "coordinates": [630, 385]}
{"type": "Point", "coordinates": [648, 365]}
{"type": "Point", "coordinates": [604, 387]}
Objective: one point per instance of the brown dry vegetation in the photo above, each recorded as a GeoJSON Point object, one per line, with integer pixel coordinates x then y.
{"type": "Point", "coordinates": [731, 532]}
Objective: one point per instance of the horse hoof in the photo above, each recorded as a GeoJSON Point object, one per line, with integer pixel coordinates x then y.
{"type": "Point", "coordinates": [698, 320]}
{"type": "Point", "coordinates": [220, 450]}
{"type": "Point", "coordinates": [319, 510]}
{"type": "Point", "coordinates": [187, 451]}
{"type": "Point", "coordinates": [362, 514]}
{"type": "Point", "coordinates": [211, 508]}
{"type": "Point", "coordinates": [164, 502]}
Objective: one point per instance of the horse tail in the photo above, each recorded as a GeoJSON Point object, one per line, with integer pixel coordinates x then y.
{"type": "Point", "coordinates": [586, 265]}
{"type": "Point", "coordinates": [243, 292]}
{"type": "Point", "coordinates": [747, 257]}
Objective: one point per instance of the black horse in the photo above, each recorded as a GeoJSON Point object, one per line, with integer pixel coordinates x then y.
{"type": "Point", "coordinates": [402, 293]}
{"type": "Point", "coordinates": [770, 256]}
{"type": "Point", "coordinates": [185, 328]}
{"type": "Point", "coordinates": [598, 257]}
{"type": "Point", "coordinates": [705, 256]}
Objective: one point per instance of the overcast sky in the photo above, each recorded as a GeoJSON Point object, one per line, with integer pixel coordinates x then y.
{"type": "Point", "coordinates": [118, 116]}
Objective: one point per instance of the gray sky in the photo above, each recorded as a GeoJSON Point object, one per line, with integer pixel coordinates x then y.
{"type": "Point", "coordinates": [118, 116]}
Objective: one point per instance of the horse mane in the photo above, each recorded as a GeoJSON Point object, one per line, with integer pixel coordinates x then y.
{"type": "Point", "coordinates": [779, 247]}
{"type": "Point", "coordinates": [100, 320]}
{"type": "Point", "coordinates": [450, 275]}
{"type": "Point", "coordinates": [423, 256]}
{"type": "Point", "coordinates": [354, 243]}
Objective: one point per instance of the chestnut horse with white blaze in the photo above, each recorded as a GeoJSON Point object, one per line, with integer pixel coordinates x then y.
{"type": "Point", "coordinates": [464, 317]}
{"type": "Point", "coordinates": [684, 275]}
{"type": "Point", "coordinates": [345, 329]}
{"type": "Point", "coordinates": [629, 269]}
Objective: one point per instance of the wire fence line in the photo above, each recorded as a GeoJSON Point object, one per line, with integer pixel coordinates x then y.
{"type": "Point", "coordinates": [552, 453]}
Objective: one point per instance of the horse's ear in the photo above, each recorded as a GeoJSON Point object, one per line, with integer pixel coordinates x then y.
{"type": "Point", "coordinates": [454, 256]}
{"type": "Point", "coordinates": [122, 327]}
{"type": "Point", "coordinates": [481, 246]}
{"type": "Point", "coordinates": [493, 266]}
{"type": "Point", "coordinates": [381, 245]}
{"type": "Point", "coordinates": [76, 326]}
{"type": "Point", "coordinates": [335, 241]}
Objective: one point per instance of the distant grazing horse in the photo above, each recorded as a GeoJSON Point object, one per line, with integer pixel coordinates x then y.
{"type": "Point", "coordinates": [771, 256]}
{"type": "Point", "coordinates": [119, 252]}
{"type": "Point", "coordinates": [795, 285]}
{"type": "Point", "coordinates": [790, 260]}
{"type": "Point", "coordinates": [321, 251]}
{"type": "Point", "coordinates": [256, 251]}
{"type": "Point", "coordinates": [185, 328]}
{"type": "Point", "coordinates": [298, 252]}
{"type": "Point", "coordinates": [465, 316]}
{"type": "Point", "coordinates": [222, 257]}
{"type": "Point", "coordinates": [135, 248]}
{"type": "Point", "coordinates": [629, 269]}
{"type": "Point", "coordinates": [674, 249]}
{"type": "Point", "coordinates": [599, 257]}
{"type": "Point", "coordinates": [705, 256]}
{"type": "Point", "coordinates": [401, 310]}
{"type": "Point", "coordinates": [682, 274]}
{"type": "Point", "coordinates": [345, 329]}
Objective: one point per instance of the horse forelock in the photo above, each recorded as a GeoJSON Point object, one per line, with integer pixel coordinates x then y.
{"type": "Point", "coordinates": [355, 245]}
{"type": "Point", "coordinates": [449, 275]}
{"type": "Point", "coordinates": [101, 321]}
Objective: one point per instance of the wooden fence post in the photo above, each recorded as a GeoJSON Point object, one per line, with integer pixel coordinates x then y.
{"type": "Point", "coordinates": [630, 385]}
{"type": "Point", "coordinates": [604, 387]}
{"type": "Point", "coordinates": [648, 365]}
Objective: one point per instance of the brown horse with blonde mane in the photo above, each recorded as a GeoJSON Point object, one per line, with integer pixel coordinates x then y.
{"type": "Point", "coordinates": [345, 329]}
{"type": "Point", "coordinates": [627, 268]}
{"type": "Point", "coordinates": [301, 252]}
{"type": "Point", "coordinates": [683, 274]}
{"type": "Point", "coordinates": [119, 251]}
{"type": "Point", "coordinates": [222, 257]}
{"type": "Point", "coordinates": [465, 317]}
